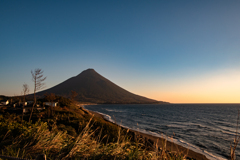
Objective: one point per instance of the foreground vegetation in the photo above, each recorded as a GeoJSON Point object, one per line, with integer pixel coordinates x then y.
{"type": "Point", "coordinates": [72, 133]}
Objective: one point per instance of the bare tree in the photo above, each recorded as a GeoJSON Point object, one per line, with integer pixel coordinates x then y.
{"type": "Point", "coordinates": [38, 80]}
{"type": "Point", "coordinates": [25, 91]}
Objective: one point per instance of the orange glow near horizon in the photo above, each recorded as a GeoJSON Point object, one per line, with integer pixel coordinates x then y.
{"type": "Point", "coordinates": [223, 87]}
{"type": "Point", "coordinates": [191, 98]}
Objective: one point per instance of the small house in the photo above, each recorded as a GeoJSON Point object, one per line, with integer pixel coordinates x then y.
{"type": "Point", "coordinates": [23, 103]}
{"type": "Point", "coordinates": [52, 104]}
{"type": "Point", "coordinates": [24, 110]}
{"type": "Point", "coordinates": [40, 108]}
{"type": "Point", "coordinates": [5, 102]}
{"type": "Point", "coordinates": [27, 109]}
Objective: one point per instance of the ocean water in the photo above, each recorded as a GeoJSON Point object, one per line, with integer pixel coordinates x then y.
{"type": "Point", "coordinates": [205, 128]}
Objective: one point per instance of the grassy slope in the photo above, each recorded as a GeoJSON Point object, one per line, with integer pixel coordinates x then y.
{"type": "Point", "coordinates": [69, 133]}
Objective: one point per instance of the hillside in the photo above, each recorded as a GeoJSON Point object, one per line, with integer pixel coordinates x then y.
{"type": "Point", "coordinates": [92, 87]}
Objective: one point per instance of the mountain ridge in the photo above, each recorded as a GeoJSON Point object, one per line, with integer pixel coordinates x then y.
{"type": "Point", "coordinates": [93, 87]}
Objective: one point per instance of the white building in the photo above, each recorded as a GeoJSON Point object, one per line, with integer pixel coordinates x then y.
{"type": "Point", "coordinates": [40, 108]}
{"type": "Point", "coordinates": [23, 103]}
{"type": "Point", "coordinates": [24, 110]}
{"type": "Point", "coordinates": [5, 102]}
{"type": "Point", "coordinates": [53, 104]}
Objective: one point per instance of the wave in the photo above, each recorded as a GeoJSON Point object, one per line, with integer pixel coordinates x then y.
{"type": "Point", "coordinates": [189, 146]}
{"type": "Point", "coordinates": [211, 156]}
{"type": "Point", "coordinates": [106, 116]}
{"type": "Point", "coordinates": [228, 133]}
{"type": "Point", "coordinates": [201, 126]}
{"type": "Point", "coordinates": [182, 143]}
{"type": "Point", "coordinates": [175, 126]}
{"type": "Point", "coordinates": [182, 125]}
{"type": "Point", "coordinates": [110, 110]}
{"type": "Point", "coordinates": [228, 129]}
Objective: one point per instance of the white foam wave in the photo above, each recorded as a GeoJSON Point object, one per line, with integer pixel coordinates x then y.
{"type": "Point", "coordinates": [227, 129]}
{"type": "Point", "coordinates": [180, 142]}
{"type": "Point", "coordinates": [186, 145]}
{"type": "Point", "coordinates": [107, 117]}
{"type": "Point", "coordinates": [200, 125]}
{"type": "Point", "coordinates": [211, 156]}
{"type": "Point", "coordinates": [176, 126]}
{"type": "Point", "coordinates": [228, 133]}
{"type": "Point", "coordinates": [110, 110]}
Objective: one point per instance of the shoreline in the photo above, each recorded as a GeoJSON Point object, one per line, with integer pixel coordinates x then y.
{"type": "Point", "coordinates": [170, 146]}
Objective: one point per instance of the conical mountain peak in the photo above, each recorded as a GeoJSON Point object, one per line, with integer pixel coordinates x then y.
{"type": "Point", "coordinates": [88, 71]}
{"type": "Point", "coordinates": [92, 87]}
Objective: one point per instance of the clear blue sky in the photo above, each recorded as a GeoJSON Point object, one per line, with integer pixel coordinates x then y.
{"type": "Point", "coordinates": [178, 51]}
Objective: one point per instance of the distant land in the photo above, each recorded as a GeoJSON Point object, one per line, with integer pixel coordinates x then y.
{"type": "Point", "coordinates": [94, 88]}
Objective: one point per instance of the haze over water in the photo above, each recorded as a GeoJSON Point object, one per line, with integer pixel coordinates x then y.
{"type": "Point", "coordinates": [207, 128]}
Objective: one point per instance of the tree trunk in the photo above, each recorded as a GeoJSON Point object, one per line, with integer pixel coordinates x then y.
{"type": "Point", "coordinates": [32, 107]}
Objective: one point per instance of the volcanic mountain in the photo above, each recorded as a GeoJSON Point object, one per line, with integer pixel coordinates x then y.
{"type": "Point", "coordinates": [92, 87]}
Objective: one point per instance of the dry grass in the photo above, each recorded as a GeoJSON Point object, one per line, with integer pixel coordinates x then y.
{"type": "Point", "coordinates": [38, 139]}
{"type": "Point", "coordinates": [233, 145]}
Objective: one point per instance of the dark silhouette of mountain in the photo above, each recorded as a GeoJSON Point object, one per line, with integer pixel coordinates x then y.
{"type": "Point", "coordinates": [92, 87]}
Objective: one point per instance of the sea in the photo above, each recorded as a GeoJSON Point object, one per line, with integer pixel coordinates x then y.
{"type": "Point", "coordinates": [208, 129]}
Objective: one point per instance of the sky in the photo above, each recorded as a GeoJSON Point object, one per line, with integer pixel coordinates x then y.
{"type": "Point", "coordinates": [176, 51]}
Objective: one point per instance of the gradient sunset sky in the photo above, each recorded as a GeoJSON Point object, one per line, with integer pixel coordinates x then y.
{"type": "Point", "coordinates": [177, 51]}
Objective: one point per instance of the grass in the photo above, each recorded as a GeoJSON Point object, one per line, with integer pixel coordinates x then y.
{"type": "Point", "coordinates": [233, 145]}
{"type": "Point", "coordinates": [69, 135]}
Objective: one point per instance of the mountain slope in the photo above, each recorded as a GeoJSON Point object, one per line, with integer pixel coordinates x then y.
{"type": "Point", "coordinates": [92, 87]}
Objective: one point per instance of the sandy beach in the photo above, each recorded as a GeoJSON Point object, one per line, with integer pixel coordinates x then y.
{"type": "Point", "coordinates": [170, 146]}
